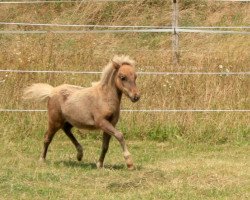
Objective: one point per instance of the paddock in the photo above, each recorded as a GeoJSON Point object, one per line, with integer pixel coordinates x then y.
{"type": "Point", "coordinates": [188, 134]}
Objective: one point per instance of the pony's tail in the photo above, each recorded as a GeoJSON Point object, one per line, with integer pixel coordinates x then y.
{"type": "Point", "coordinates": [38, 92]}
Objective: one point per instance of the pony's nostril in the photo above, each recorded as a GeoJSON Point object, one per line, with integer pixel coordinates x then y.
{"type": "Point", "coordinates": [136, 98]}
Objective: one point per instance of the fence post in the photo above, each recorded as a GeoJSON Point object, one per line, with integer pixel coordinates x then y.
{"type": "Point", "coordinates": [175, 37]}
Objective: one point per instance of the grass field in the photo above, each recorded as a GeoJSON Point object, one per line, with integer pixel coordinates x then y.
{"type": "Point", "coordinates": [175, 169]}
{"type": "Point", "coordinates": [163, 170]}
{"type": "Point", "coordinates": [177, 155]}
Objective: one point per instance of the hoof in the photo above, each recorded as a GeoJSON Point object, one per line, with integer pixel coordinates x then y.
{"type": "Point", "coordinates": [131, 167]}
{"type": "Point", "coordinates": [79, 156]}
{"type": "Point", "coordinates": [42, 160]}
{"type": "Point", "coordinates": [129, 162]}
{"type": "Point", "coordinates": [99, 165]}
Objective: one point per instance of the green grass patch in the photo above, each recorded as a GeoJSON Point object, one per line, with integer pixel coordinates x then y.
{"type": "Point", "coordinates": [163, 171]}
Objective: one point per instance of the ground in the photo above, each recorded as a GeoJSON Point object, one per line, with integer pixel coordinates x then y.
{"type": "Point", "coordinates": [163, 171]}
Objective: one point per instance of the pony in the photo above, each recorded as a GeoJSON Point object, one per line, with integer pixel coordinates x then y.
{"type": "Point", "coordinates": [95, 107]}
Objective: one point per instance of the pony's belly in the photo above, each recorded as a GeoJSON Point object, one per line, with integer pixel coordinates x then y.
{"type": "Point", "coordinates": [82, 120]}
{"type": "Point", "coordinates": [82, 123]}
{"type": "Point", "coordinates": [83, 126]}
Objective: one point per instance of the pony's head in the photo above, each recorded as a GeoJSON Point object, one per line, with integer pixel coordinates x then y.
{"type": "Point", "coordinates": [125, 77]}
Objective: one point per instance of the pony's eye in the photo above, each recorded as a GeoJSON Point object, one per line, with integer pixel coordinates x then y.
{"type": "Point", "coordinates": [123, 78]}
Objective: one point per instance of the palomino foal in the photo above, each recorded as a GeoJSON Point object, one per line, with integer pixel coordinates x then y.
{"type": "Point", "coordinates": [96, 107]}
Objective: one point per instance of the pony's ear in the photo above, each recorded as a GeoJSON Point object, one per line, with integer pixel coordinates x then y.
{"type": "Point", "coordinates": [115, 64]}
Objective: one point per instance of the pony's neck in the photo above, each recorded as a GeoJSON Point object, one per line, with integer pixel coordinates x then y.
{"type": "Point", "coordinates": [111, 88]}
{"type": "Point", "coordinates": [107, 82]}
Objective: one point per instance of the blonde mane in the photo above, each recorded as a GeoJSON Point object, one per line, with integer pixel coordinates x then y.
{"type": "Point", "coordinates": [109, 70]}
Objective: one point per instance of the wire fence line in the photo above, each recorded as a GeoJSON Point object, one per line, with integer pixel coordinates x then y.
{"type": "Point", "coordinates": [86, 31]}
{"type": "Point", "coordinates": [79, 25]}
{"type": "Point", "coordinates": [234, 0]}
{"type": "Point", "coordinates": [214, 27]}
{"type": "Point", "coordinates": [60, 1]}
{"type": "Point", "coordinates": [172, 30]}
{"type": "Point", "coordinates": [138, 110]}
{"type": "Point", "coordinates": [140, 72]}
{"type": "Point", "coordinates": [211, 31]}
{"type": "Point", "coordinates": [120, 26]}
{"type": "Point", "coordinates": [87, 1]}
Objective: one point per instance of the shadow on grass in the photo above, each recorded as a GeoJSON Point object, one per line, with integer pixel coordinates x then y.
{"type": "Point", "coordinates": [115, 167]}
{"type": "Point", "coordinates": [89, 166]}
{"type": "Point", "coordinates": [75, 164]}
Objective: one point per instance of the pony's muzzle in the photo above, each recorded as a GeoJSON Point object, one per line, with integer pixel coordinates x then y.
{"type": "Point", "coordinates": [135, 98]}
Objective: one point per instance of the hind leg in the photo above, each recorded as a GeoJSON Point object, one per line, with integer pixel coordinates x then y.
{"type": "Point", "coordinates": [55, 122]}
{"type": "Point", "coordinates": [47, 140]}
{"type": "Point", "coordinates": [67, 129]}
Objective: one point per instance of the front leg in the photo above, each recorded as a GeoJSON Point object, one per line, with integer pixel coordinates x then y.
{"type": "Point", "coordinates": [107, 127]}
{"type": "Point", "coordinates": [105, 146]}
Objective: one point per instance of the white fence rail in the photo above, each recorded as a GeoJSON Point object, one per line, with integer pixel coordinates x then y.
{"type": "Point", "coordinates": [145, 111]}
{"type": "Point", "coordinates": [140, 72]}
{"type": "Point", "coordinates": [121, 26]}
{"type": "Point", "coordinates": [60, 1]}
{"type": "Point", "coordinates": [87, 1]}
{"type": "Point", "coordinates": [124, 31]}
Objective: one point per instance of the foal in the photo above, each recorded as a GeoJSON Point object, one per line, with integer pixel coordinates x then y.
{"type": "Point", "coordinates": [96, 107]}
